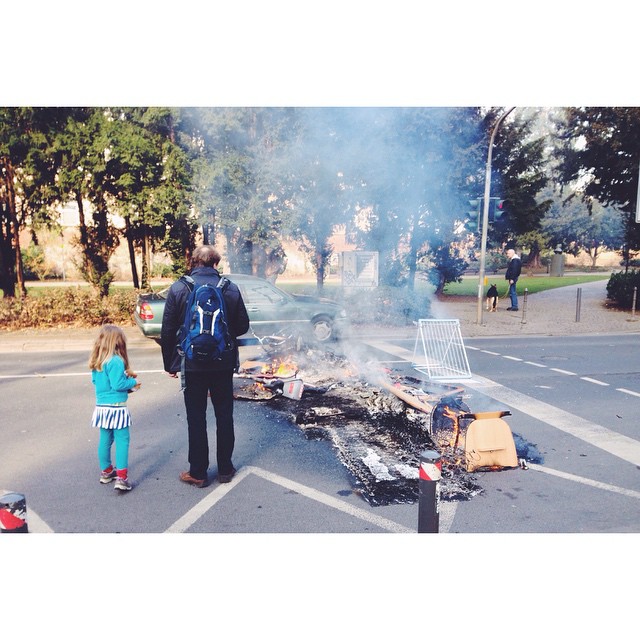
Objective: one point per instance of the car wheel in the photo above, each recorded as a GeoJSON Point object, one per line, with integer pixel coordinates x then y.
{"type": "Point", "coordinates": [322, 329]}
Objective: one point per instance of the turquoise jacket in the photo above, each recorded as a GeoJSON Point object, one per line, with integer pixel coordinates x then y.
{"type": "Point", "coordinates": [112, 384]}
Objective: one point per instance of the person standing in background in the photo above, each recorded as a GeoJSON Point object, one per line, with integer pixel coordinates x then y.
{"type": "Point", "coordinates": [513, 273]}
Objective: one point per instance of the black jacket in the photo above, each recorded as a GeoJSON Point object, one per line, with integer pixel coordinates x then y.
{"type": "Point", "coordinates": [513, 269]}
{"type": "Point", "coordinates": [173, 318]}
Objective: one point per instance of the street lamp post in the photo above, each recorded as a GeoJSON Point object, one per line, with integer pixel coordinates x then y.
{"type": "Point", "coordinates": [485, 215]}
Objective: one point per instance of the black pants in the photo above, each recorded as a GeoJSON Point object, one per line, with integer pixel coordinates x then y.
{"type": "Point", "coordinates": [199, 384]}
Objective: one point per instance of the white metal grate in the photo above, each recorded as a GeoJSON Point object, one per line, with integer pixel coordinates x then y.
{"type": "Point", "coordinates": [439, 350]}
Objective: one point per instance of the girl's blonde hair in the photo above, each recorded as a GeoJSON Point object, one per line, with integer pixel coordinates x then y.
{"type": "Point", "coordinates": [111, 340]}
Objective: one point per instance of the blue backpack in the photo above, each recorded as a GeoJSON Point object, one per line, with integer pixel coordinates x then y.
{"type": "Point", "coordinates": [205, 335]}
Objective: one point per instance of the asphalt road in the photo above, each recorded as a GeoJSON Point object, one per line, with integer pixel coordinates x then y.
{"type": "Point", "coordinates": [573, 399]}
{"type": "Point", "coordinates": [562, 402]}
{"type": "Point", "coordinates": [578, 415]}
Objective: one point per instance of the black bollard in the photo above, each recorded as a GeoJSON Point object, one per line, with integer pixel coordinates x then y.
{"type": "Point", "coordinates": [429, 501]}
{"type": "Point", "coordinates": [13, 513]}
{"type": "Point", "coordinates": [578, 303]}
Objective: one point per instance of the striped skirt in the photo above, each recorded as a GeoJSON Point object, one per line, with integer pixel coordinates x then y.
{"type": "Point", "coordinates": [111, 416]}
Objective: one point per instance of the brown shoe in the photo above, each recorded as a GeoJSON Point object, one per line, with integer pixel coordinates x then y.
{"type": "Point", "coordinates": [226, 477]}
{"type": "Point", "coordinates": [185, 476]}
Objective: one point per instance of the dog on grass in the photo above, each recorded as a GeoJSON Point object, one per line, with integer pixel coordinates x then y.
{"type": "Point", "coordinates": [492, 298]}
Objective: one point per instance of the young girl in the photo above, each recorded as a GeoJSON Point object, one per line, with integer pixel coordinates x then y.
{"type": "Point", "coordinates": [113, 380]}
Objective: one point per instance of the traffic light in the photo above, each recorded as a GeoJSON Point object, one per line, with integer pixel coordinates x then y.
{"type": "Point", "coordinates": [473, 224]}
{"type": "Point", "coordinates": [496, 209]}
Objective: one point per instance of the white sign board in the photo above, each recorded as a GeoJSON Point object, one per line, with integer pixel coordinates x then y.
{"type": "Point", "coordinates": [359, 268]}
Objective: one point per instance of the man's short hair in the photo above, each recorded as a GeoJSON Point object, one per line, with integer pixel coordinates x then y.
{"type": "Point", "coordinates": [205, 256]}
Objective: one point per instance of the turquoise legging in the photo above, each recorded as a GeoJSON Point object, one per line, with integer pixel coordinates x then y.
{"type": "Point", "coordinates": [121, 439]}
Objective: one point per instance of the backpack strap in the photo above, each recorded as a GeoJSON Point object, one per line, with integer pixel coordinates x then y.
{"type": "Point", "coordinates": [223, 283]}
{"type": "Point", "coordinates": [190, 283]}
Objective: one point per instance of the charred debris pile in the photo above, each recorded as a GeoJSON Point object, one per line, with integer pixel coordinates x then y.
{"type": "Point", "coordinates": [378, 420]}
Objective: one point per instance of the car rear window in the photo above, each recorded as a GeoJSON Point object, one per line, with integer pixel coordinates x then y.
{"type": "Point", "coordinates": [259, 294]}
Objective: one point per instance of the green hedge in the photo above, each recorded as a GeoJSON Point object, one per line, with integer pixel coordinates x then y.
{"type": "Point", "coordinates": [70, 306]}
{"type": "Point", "coordinates": [620, 288]}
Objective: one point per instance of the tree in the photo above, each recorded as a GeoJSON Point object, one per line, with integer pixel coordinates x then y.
{"type": "Point", "coordinates": [599, 149]}
{"type": "Point", "coordinates": [448, 266]}
{"type": "Point", "coordinates": [149, 184]}
{"type": "Point", "coordinates": [578, 226]}
{"type": "Point", "coordinates": [82, 152]}
{"type": "Point", "coordinates": [416, 173]}
{"type": "Point", "coordinates": [26, 177]}
{"type": "Point", "coordinates": [238, 181]}
{"type": "Point", "coordinates": [519, 175]}
{"type": "Point", "coordinates": [316, 182]}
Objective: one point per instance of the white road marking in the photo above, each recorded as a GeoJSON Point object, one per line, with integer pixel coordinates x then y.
{"type": "Point", "coordinates": [44, 375]}
{"type": "Point", "coordinates": [592, 483]}
{"type": "Point", "coordinates": [608, 440]}
{"type": "Point", "coordinates": [194, 514]}
{"type": "Point", "coordinates": [401, 352]}
{"type": "Point", "coordinates": [564, 371]}
{"type": "Point", "coordinates": [65, 375]}
{"type": "Point", "coordinates": [604, 384]}
{"type": "Point", "coordinates": [447, 512]}
{"type": "Point", "coordinates": [614, 443]}
{"type": "Point", "coordinates": [631, 393]}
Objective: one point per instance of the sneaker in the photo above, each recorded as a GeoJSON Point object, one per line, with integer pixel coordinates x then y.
{"type": "Point", "coordinates": [107, 476]}
{"type": "Point", "coordinates": [226, 477]}
{"type": "Point", "coordinates": [122, 484]}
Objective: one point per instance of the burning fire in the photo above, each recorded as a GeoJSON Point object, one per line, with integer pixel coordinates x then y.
{"type": "Point", "coordinates": [448, 412]}
{"type": "Point", "coordinates": [280, 369]}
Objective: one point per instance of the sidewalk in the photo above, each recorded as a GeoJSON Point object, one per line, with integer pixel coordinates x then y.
{"type": "Point", "coordinates": [550, 313]}
{"type": "Point", "coordinates": [554, 312]}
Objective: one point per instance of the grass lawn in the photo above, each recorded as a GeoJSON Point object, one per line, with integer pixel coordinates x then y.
{"type": "Point", "coordinates": [332, 288]}
{"type": "Point", "coordinates": [533, 284]}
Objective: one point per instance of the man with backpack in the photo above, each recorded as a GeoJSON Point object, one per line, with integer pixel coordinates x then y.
{"type": "Point", "coordinates": [203, 315]}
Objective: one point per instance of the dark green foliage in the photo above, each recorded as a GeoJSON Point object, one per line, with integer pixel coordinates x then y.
{"type": "Point", "coordinates": [620, 288]}
{"type": "Point", "coordinates": [397, 178]}
{"type": "Point", "coordinates": [605, 160]}
{"type": "Point", "coordinates": [448, 267]}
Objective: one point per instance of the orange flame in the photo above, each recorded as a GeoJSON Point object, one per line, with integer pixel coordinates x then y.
{"type": "Point", "coordinates": [280, 369]}
{"type": "Point", "coordinates": [451, 414]}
